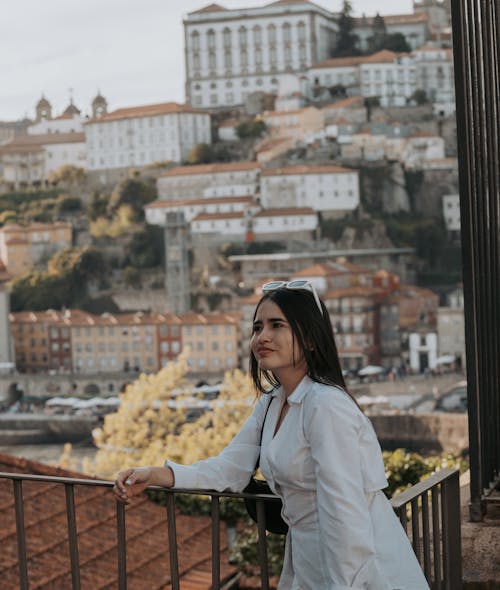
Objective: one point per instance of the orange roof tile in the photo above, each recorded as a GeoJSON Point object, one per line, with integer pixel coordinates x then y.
{"type": "Point", "coordinates": [306, 169]}
{"type": "Point", "coordinates": [217, 216]}
{"type": "Point", "coordinates": [345, 102]}
{"type": "Point", "coordinates": [267, 114]}
{"type": "Point", "coordinates": [393, 19]}
{"type": "Point", "coordinates": [339, 62]}
{"type": "Point", "coordinates": [210, 8]}
{"type": "Point", "coordinates": [211, 168]}
{"type": "Point", "coordinates": [159, 204]}
{"type": "Point", "coordinates": [151, 110]}
{"type": "Point", "coordinates": [148, 563]}
{"type": "Point", "coordinates": [383, 56]}
{"type": "Point", "coordinates": [36, 142]}
{"type": "Point", "coordinates": [288, 211]}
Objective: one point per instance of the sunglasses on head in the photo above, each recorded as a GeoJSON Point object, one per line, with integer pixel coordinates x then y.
{"type": "Point", "coordinates": [297, 284]}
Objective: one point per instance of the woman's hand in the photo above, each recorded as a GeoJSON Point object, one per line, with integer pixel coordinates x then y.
{"type": "Point", "coordinates": [131, 482]}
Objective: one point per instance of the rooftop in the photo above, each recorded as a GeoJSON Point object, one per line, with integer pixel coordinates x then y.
{"type": "Point", "coordinates": [147, 541]}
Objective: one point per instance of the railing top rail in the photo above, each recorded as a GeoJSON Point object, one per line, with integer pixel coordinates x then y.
{"type": "Point", "coordinates": [421, 487]}
{"type": "Point", "coordinates": [109, 484]}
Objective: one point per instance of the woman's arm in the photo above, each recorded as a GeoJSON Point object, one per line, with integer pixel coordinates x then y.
{"type": "Point", "coordinates": [131, 482]}
{"type": "Point", "coordinates": [230, 470]}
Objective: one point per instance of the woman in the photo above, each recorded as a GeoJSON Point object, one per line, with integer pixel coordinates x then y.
{"type": "Point", "coordinates": [319, 453]}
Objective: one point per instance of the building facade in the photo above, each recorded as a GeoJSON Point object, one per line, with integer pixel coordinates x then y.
{"type": "Point", "coordinates": [233, 179]}
{"type": "Point", "coordinates": [22, 247]}
{"type": "Point", "coordinates": [143, 135]}
{"type": "Point", "coordinates": [232, 53]}
{"type": "Point", "coordinates": [331, 190]}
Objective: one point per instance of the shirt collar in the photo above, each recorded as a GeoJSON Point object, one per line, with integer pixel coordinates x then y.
{"type": "Point", "coordinates": [297, 394]}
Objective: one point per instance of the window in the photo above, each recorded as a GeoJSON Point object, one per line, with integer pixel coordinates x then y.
{"type": "Point", "coordinates": [228, 59]}
{"type": "Point", "coordinates": [301, 28]}
{"type": "Point", "coordinates": [226, 35]}
{"type": "Point", "coordinates": [242, 34]}
{"type": "Point", "coordinates": [211, 39]}
{"type": "Point", "coordinates": [287, 35]}
{"type": "Point", "coordinates": [257, 35]}
{"type": "Point", "coordinates": [212, 62]}
{"type": "Point", "coordinates": [195, 40]}
{"type": "Point", "coordinates": [243, 58]}
{"type": "Point", "coordinates": [271, 34]}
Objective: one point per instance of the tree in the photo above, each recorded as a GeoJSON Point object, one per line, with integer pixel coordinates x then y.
{"type": "Point", "coordinates": [146, 248]}
{"type": "Point", "coordinates": [250, 129]}
{"type": "Point", "coordinates": [347, 40]}
{"type": "Point", "coordinates": [396, 42]}
{"type": "Point", "coordinates": [133, 193]}
{"type": "Point", "coordinates": [38, 291]}
{"type": "Point", "coordinates": [204, 153]}
{"type": "Point", "coordinates": [68, 175]}
{"type": "Point", "coordinates": [146, 430]}
{"type": "Point", "coordinates": [419, 96]}
{"type": "Point", "coordinates": [379, 33]}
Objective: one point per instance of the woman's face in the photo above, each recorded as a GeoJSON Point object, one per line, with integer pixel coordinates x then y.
{"type": "Point", "coordinates": [273, 344]}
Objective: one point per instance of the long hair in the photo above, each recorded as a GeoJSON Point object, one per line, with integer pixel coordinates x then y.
{"type": "Point", "coordinates": [313, 333]}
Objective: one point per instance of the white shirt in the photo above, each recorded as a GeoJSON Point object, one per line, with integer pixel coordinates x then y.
{"type": "Point", "coordinates": [326, 465]}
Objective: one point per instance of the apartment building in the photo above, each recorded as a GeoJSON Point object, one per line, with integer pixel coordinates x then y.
{"type": "Point", "coordinates": [143, 135]}
{"type": "Point", "coordinates": [297, 124]}
{"type": "Point", "coordinates": [392, 77]}
{"type": "Point", "coordinates": [415, 28]}
{"type": "Point", "coordinates": [435, 75]}
{"type": "Point", "coordinates": [231, 53]}
{"type": "Point", "coordinates": [30, 335]}
{"type": "Point", "coordinates": [22, 247]}
{"type": "Point", "coordinates": [81, 342]}
{"type": "Point", "coordinates": [211, 341]}
{"type": "Point", "coordinates": [232, 179]}
{"type": "Point", "coordinates": [331, 190]}
{"type": "Point", "coordinates": [27, 160]}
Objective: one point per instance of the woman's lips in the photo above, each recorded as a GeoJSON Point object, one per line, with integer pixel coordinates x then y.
{"type": "Point", "coordinates": [264, 351]}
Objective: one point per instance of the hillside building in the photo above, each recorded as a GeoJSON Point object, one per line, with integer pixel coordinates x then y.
{"type": "Point", "coordinates": [142, 135]}
{"type": "Point", "coordinates": [232, 53]}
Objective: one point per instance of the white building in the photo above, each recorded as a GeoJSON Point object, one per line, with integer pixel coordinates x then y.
{"type": "Point", "coordinates": [29, 159]}
{"type": "Point", "coordinates": [413, 26]}
{"type": "Point", "coordinates": [389, 76]}
{"type": "Point", "coordinates": [331, 190]}
{"type": "Point", "coordinates": [231, 53]}
{"type": "Point", "coordinates": [268, 224]}
{"type": "Point", "coordinates": [233, 179]}
{"type": "Point", "coordinates": [191, 208]}
{"type": "Point", "coordinates": [435, 76]}
{"type": "Point", "coordinates": [451, 212]}
{"type": "Point", "coordinates": [142, 135]}
{"type": "Point", "coordinates": [423, 348]}
{"type": "Point", "coordinates": [337, 71]}
{"type": "Point", "coordinates": [279, 223]}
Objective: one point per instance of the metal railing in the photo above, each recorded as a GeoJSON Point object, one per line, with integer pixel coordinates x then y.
{"type": "Point", "coordinates": [434, 525]}
{"type": "Point", "coordinates": [477, 83]}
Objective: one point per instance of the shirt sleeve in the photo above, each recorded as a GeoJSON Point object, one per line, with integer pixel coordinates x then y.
{"type": "Point", "coordinates": [333, 426]}
{"type": "Point", "coordinates": [232, 468]}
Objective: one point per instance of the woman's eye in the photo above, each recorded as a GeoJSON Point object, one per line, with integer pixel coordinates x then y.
{"type": "Point", "coordinates": [256, 329]}
{"type": "Point", "coordinates": [277, 325]}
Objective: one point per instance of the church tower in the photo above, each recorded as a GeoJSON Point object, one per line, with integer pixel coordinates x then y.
{"type": "Point", "coordinates": [43, 110]}
{"type": "Point", "coordinates": [99, 106]}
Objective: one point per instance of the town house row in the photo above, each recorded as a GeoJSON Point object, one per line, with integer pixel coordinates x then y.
{"type": "Point", "coordinates": [80, 342]}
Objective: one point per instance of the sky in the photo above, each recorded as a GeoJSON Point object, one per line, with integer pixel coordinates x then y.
{"type": "Point", "coordinates": [130, 50]}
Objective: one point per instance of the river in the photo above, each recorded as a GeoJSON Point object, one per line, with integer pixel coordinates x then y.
{"type": "Point", "coordinates": [50, 453]}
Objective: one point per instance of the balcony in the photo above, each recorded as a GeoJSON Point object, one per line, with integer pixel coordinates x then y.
{"type": "Point", "coordinates": [68, 532]}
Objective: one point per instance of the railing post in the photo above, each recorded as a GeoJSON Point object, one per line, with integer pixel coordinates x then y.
{"type": "Point", "coordinates": [261, 527]}
{"type": "Point", "coordinates": [21, 535]}
{"type": "Point", "coordinates": [72, 536]}
{"type": "Point", "coordinates": [215, 542]}
{"type": "Point", "coordinates": [121, 546]}
{"type": "Point", "coordinates": [452, 546]}
{"type": "Point", "coordinates": [172, 541]}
